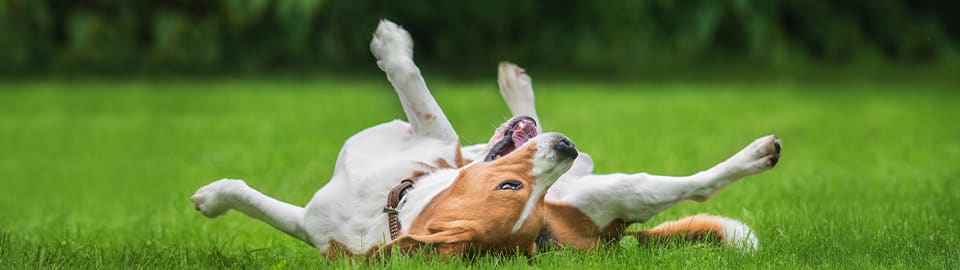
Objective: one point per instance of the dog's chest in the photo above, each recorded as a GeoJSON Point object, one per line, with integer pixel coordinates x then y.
{"type": "Point", "coordinates": [350, 206]}
{"type": "Point", "coordinates": [390, 149]}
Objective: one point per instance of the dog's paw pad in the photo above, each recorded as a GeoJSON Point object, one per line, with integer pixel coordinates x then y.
{"type": "Point", "coordinates": [770, 150]}
{"type": "Point", "coordinates": [212, 200]}
{"type": "Point", "coordinates": [774, 156]}
{"type": "Point", "coordinates": [761, 155]}
{"type": "Point", "coordinates": [390, 41]}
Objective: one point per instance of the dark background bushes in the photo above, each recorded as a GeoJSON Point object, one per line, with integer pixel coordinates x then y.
{"type": "Point", "coordinates": [190, 36]}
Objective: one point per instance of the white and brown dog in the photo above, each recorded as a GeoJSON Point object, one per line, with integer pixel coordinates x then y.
{"type": "Point", "coordinates": [522, 188]}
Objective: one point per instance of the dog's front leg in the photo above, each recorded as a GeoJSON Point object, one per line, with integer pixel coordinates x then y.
{"type": "Point", "coordinates": [216, 198]}
{"type": "Point", "coordinates": [393, 48]}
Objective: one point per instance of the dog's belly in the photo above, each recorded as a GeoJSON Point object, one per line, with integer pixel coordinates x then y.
{"type": "Point", "coordinates": [349, 208]}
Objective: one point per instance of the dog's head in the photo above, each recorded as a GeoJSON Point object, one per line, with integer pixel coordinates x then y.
{"type": "Point", "coordinates": [495, 204]}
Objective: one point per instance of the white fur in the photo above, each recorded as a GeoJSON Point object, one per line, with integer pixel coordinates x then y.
{"type": "Point", "coordinates": [349, 208]}
{"type": "Point", "coordinates": [216, 198]}
{"type": "Point", "coordinates": [546, 169]}
{"type": "Point", "coordinates": [516, 88]}
{"type": "Point", "coordinates": [638, 197]}
{"type": "Point", "coordinates": [736, 234]}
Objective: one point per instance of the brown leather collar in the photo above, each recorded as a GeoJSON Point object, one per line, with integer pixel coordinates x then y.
{"type": "Point", "coordinates": [395, 200]}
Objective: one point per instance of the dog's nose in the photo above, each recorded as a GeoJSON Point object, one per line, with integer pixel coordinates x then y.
{"type": "Point", "coordinates": [565, 148]}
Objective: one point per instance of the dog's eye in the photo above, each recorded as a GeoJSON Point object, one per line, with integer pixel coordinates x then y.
{"type": "Point", "coordinates": [510, 185]}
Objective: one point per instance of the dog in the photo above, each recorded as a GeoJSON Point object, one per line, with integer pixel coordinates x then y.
{"type": "Point", "coordinates": [410, 185]}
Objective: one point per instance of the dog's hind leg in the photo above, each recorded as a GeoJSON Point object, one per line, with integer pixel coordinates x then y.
{"type": "Point", "coordinates": [517, 91]}
{"type": "Point", "coordinates": [593, 207]}
{"type": "Point", "coordinates": [516, 88]}
{"type": "Point", "coordinates": [393, 48]}
{"type": "Point", "coordinates": [217, 198]}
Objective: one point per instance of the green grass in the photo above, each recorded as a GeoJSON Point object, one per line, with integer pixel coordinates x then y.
{"type": "Point", "coordinates": [97, 173]}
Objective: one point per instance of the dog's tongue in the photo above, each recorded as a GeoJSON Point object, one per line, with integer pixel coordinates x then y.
{"type": "Point", "coordinates": [523, 133]}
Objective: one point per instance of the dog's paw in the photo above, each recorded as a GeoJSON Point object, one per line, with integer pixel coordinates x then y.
{"type": "Point", "coordinates": [391, 42]}
{"type": "Point", "coordinates": [514, 82]}
{"type": "Point", "coordinates": [213, 200]}
{"type": "Point", "coordinates": [761, 155]}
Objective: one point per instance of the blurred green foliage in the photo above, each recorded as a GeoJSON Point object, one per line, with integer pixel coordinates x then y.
{"type": "Point", "coordinates": [256, 35]}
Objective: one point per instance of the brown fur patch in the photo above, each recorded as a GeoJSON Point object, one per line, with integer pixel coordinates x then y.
{"type": "Point", "coordinates": [336, 250]}
{"type": "Point", "coordinates": [429, 167]}
{"type": "Point", "coordinates": [700, 228]}
{"type": "Point", "coordinates": [472, 211]}
{"type": "Point", "coordinates": [572, 228]}
{"type": "Point", "coordinates": [458, 156]}
{"type": "Point", "coordinates": [442, 163]}
{"type": "Point", "coordinates": [613, 231]}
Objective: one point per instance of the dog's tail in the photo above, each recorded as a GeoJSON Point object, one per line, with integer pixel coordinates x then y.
{"type": "Point", "coordinates": [703, 228]}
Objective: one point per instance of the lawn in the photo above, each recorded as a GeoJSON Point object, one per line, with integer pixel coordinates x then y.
{"type": "Point", "coordinates": [97, 173]}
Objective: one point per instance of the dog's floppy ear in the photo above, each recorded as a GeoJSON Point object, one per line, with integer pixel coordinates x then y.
{"type": "Point", "coordinates": [445, 238]}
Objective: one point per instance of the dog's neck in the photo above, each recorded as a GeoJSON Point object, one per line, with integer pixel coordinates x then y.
{"type": "Point", "coordinates": [423, 192]}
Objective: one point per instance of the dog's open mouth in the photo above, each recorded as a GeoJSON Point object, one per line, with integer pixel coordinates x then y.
{"type": "Point", "coordinates": [520, 130]}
